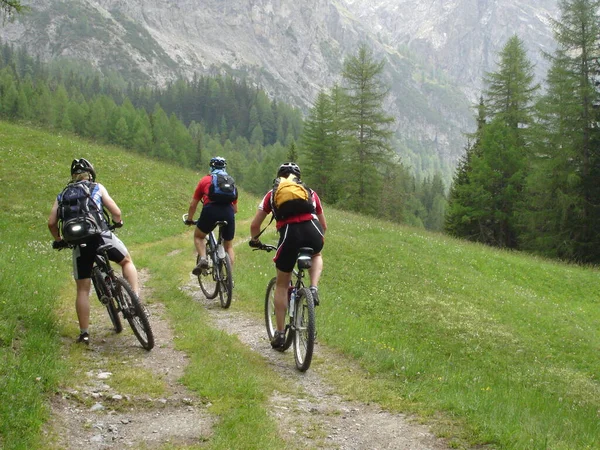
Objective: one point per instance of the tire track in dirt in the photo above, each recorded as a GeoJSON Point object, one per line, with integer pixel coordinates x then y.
{"type": "Point", "coordinates": [91, 414]}
{"type": "Point", "coordinates": [315, 416]}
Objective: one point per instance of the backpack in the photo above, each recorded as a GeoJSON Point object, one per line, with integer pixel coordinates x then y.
{"type": "Point", "coordinates": [222, 188]}
{"type": "Point", "coordinates": [80, 217]}
{"type": "Point", "coordinates": [291, 197]}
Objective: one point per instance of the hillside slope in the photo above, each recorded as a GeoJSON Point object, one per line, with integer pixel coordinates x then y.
{"type": "Point", "coordinates": [501, 346]}
{"type": "Point", "coordinates": [435, 55]}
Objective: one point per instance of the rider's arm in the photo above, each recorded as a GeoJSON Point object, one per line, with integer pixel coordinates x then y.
{"type": "Point", "coordinates": [192, 208]}
{"type": "Point", "coordinates": [110, 204]}
{"type": "Point", "coordinates": [321, 219]}
{"type": "Point", "coordinates": [257, 222]}
{"type": "Point", "coordinates": [53, 221]}
{"type": "Point", "coordinates": [319, 211]}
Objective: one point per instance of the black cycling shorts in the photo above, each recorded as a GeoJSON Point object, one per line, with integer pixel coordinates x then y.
{"type": "Point", "coordinates": [294, 236]}
{"type": "Point", "coordinates": [83, 256]}
{"type": "Point", "coordinates": [212, 213]}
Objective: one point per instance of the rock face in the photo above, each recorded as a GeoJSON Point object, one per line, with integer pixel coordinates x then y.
{"type": "Point", "coordinates": [462, 37]}
{"type": "Point", "coordinates": [436, 52]}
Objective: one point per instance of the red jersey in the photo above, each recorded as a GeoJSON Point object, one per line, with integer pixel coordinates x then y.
{"type": "Point", "coordinates": [201, 192]}
{"type": "Point", "coordinates": [265, 205]}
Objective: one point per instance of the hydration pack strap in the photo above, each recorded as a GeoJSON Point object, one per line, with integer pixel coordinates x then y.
{"type": "Point", "coordinates": [263, 230]}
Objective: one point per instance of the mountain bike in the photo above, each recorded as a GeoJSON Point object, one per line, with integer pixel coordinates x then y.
{"type": "Point", "coordinates": [300, 327]}
{"type": "Point", "coordinates": [115, 293]}
{"type": "Point", "coordinates": [217, 279]}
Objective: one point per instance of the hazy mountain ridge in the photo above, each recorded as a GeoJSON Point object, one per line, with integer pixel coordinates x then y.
{"type": "Point", "coordinates": [462, 37]}
{"type": "Point", "coordinates": [294, 49]}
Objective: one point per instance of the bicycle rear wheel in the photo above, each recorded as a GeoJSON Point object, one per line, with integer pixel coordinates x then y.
{"type": "Point", "coordinates": [207, 279]}
{"type": "Point", "coordinates": [106, 299]}
{"type": "Point", "coordinates": [270, 319]}
{"type": "Point", "coordinates": [304, 329]}
{"type": "Point", "coordinates": [135, 313]}
{"type": "Point", "coordinates": [225, 277]}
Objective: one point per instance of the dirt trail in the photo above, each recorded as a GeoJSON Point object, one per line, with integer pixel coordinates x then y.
{"type": "Point", "coordinates": [318, 417]}
{"type": "Point", "coordinates": [93, 415]}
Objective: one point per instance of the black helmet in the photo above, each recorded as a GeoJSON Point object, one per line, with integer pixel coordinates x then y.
{"type": "Point", "coordinates": [287, 168]}
{"type": "Point", "coordinates": [218, 162]}
{"type": "Point", "coordinates": [83, 165]}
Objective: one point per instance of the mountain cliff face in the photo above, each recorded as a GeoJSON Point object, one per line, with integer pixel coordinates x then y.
{"type": "Point", "coordinates": [462, 37]}
{"type": "Point", "coordinates": [436, 52]}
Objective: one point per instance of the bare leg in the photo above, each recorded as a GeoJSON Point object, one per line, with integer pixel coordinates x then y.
{"type": "Point", "coordinates": [281, 293]}
{"type": "Point", "coordinates": [316, 269]}
{"type": "Point", "coordinates": [228, 246]}
{"type": "Point", "coordinates": [82, 302]}
{"type": "Point", "coordinates": [130, 273]}
{"type": "Point", "coordinates": [199, 242]}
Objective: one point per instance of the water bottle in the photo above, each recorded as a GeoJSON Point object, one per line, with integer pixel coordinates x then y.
{"type": "Point", "coordinates": [292, 298]}
{"type": "Point", "coordinates": [221, 251]}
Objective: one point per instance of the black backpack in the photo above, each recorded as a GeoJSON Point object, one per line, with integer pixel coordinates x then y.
{"type": "Point", "coordinates": [222, 188]}
{"type": "Point", "coordinates": [80, 217]}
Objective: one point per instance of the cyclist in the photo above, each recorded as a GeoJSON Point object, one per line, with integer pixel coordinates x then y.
{"type": "Point", "coordinates": [84, 255]}
{"type": "Point", "coordinates": [296, 231]}
{"type": "Point", "coordinates": [211, 213]}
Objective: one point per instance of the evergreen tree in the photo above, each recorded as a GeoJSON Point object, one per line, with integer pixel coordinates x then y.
{"type": "Point", "coordinates": [367, 127]}
{"type": "Point", "coordinates": [492, 192]}
{"type": "Point", "coordinates": [318, 147]}
{"type": "Point", "coordinates": [459, 219]}
{"type": "Point", "coordinates": [562, 213]}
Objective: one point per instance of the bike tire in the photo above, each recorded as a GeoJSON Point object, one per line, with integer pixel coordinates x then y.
{"type": "Point", "coordinates": [270, 319]}
{"type": "Point", "coordinates": [304, 329]}
{"type": "Point", "coordinates": [102, 292]}
{"type": "Point", "coordinates": [135, 313]}
{"type": "Point", "coordinates": [207, 278]}
{"type": "Point", "coordinates": [225, 282]}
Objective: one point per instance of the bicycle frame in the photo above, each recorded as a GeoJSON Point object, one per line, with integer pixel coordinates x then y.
{"type": "Point", "coordinates": [216, 280]}
{"type": "Point", "coordinates": [300, 326]}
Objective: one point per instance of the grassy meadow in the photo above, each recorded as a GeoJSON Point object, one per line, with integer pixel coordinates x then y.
{"type": "Point", "coordinates": [492, 348]}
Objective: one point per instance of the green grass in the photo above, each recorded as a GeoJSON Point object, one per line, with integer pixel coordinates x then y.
{"type": "Point", "coordinates": [490, 347]}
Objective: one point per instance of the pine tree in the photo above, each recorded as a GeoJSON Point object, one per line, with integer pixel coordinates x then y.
{"type": "Point", "coordinates": [318, 147]}
{"type": "Point", "coordinates": [459, 219]}
{"type": "Point", "coordinates": [367, 126]}
{"type": "Point", "coordinates": [484, 206]}
{"type": "Point", "coordinates": [563, 208]}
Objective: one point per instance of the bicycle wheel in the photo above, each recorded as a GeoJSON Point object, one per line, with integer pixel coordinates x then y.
{"type": "Point", "coordinates": [107, 300]}
{"type": "Point", "coordinates": [207, 278]}
{"type": "Point", "coordinates": [225, 277]}
{"type": "Point", "coordinates": [135, 313]}
{"type": "Point", "coordinates": [304, 327]}
{"type": "Point", "coordinates": [270, 319]}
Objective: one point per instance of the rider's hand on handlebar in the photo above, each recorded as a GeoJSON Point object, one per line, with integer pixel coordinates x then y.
{"type": "Point", "coordinates": [118, 224]}
{"type": "Point", "coordinates": [255, 243]}
{"type": "Point", "coordinates": [59, 245]}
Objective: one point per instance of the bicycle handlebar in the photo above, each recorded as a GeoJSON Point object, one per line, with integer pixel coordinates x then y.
{"type": "Point", "coordinates": [265, 247]}
{"type": "Point", "coordinates": [185, 220]}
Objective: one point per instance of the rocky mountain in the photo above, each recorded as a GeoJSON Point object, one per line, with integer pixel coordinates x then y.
{"type": "Point", "coordinates": [461, 37]}
{"type": "Point", "coordinates": [435, 52]}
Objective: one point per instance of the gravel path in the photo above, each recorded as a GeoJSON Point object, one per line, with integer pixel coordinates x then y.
{"type": "Point", "coordinates": [93, 415]}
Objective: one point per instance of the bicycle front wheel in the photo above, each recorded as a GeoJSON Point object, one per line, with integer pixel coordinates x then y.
{"type": "Point", "coordinates": [105, 297]}
{"type": "Point", "coordinates": [207, 278]}
{"type": "Point", "coordinates": [225, 280]}
{"type": "Point", "coordinates": [135, 313]}
{"type": "Point", "coordinates": [304, 329]}
{"type": "Point", "coordinates": [270, 318]}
